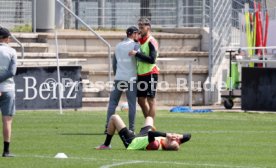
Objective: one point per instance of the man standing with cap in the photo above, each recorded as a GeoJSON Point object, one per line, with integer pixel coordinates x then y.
{"type": "Point", "coordinates": [147, 69]}
{"type": "Point", "coordinates": [124, 68]}
{"type": "Point", "coordinates": [7, 87]}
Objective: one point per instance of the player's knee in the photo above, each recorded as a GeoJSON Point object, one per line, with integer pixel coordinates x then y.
{"type": "Point", "coordinates": [7, 119]}
{"type": "Point", "coordinates": [141, 100]}
{"type": "Point", "coordinates": [151, 102]}
{"type": "Point", "coordinates": [114, 117]}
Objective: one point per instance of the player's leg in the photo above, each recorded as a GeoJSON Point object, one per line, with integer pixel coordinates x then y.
{"type": "Point", "coordinates": [142, 87]}
{"type": "Point", "coordinates": [151, 94]}
{"type": "Point", "coordinates": [148, 125]}
{"type": "Point", "coordinates": [8, 110]}
{"type": "Point", "coordinates": [125, 134]}
{"type": "Point", "coordinates": [142, 101]}
{"type": "Point", "coordinates": [115, 123]}
{"type": "Point", "coordinates": [152, 106]}
{"type": "Point", "coordinates": [7, 129]}
{"type": "Point", "coordinates": [113, 102]}
{"type": "Point", "coordinates": [131, 99]}
{"type": "Point", "coordinates": [148, 121]}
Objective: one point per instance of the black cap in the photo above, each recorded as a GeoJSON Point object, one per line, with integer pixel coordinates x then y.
{"type": "Point", "coordinates": [144, 21]}
{"type": "Point", "coordinates": [4, 33]}
{"type": "Point", "coordinates": [132, 30]}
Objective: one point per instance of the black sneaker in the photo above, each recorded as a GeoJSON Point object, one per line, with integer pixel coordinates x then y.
{"type": "Point", "coordinates": [7, 154]}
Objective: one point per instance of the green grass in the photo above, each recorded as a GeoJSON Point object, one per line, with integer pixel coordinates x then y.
{"type": "Point", "coordinates": [230, 140]}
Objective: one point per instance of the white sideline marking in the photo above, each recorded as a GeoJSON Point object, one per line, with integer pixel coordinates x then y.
{"type": "Point", "coordinates": [199, 132]}
{"type": "Point", "coordinates": [178, 163]}
{"type": "Point", "coordinates": [229, 118]}
{"type": "Point", "coordinates": [121, 162]}
{"type": "Point", "coordinates": [233, 131]}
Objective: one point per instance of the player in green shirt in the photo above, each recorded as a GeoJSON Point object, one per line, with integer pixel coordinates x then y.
{"type": "Point", "coordinates": [145, 140]}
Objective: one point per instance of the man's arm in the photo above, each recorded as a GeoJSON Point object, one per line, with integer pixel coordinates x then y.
{"type": "Point", "coordinates": [184, 138]}
{"type": "Point", "coordinates": [152, 55]}
{"type": "Point", "coordinates": [114, 64]}
{"type": "Point", "coordinates": [153, 134]}
{"type": "Point", "coordinates": [10, 72]}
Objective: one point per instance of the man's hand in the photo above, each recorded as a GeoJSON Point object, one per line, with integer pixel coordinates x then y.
{"type": "Point", "coordinates": [173, 136]}
{"type": "Point", "coordinates": [132, 53]}
{"type": "Point", "coordinates": [0, 93]}
{"type": "Point", "coordinates": [169, 135]}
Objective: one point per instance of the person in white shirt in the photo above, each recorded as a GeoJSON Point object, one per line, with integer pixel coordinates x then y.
{"type": "Point", "coordinates": [7, 87]}
{"type": "Point", "coordinates": [124, 67]}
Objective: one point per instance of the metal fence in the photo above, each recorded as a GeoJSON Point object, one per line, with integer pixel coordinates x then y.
{"type": "Point", "coordinates": [117, 13]}
{"type": "Point", "coordinates": [272, 13]}
{"type": "Point", "coordinates": [15, 13]}
{"type": "Point", "coordinates": [122, 13]}
{"type": "Point", "coordinates": [225, 29]}
{"type": "Point", "coordinates": [220, 32]}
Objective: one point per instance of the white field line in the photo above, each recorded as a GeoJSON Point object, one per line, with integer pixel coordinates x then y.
{"type": "Point", "coordinates": [122, 163]}
{"type": "Point", "coordinates": [129, 162]}
{"type": "Point", "coordinates": [192, 116]}
{"type": "Point", "coordinates": [233, 131]}
{"type": "Point", "coordinates": [193, 132]}
{"type": "Point", "coordinates": [176, 163]}
{"type": "Point", "coordinates": [210, 117]}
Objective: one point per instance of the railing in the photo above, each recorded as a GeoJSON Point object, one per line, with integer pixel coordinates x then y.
{"type": "Point", "coordinates": [49, 62]}
{"type": "Point", "coordinates": [96, 34]}
{"type": "Point", "coordinates": [20, 44]}
{"type": "Point", "coordinates": [190, 62]}
{"type": "Point", "coordinates": [225, 29]}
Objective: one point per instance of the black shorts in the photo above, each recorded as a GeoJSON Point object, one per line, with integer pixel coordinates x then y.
{"type": "Point", "coordinates": [146, 85]}
{"type": "Point", "coordinates": [144, 131]}
{"type": "Point", "coordinates": [126, 136]}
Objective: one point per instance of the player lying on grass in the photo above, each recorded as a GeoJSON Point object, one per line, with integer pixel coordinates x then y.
{"type": "Point", "coordinates": [145, 140]}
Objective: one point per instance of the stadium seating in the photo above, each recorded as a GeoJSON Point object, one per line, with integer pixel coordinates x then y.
{"type": "Point", "coordinates": [83, 47]}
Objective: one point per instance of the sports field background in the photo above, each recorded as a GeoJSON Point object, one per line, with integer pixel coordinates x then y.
{"type": "Point", "coordinates": [220, 140]}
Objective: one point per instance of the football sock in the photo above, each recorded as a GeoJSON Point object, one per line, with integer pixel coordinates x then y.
{"type": "Point", "coordinates": [123, 132]}
{"type": "Point", "coordinates": [108, 139]}
{"type": "Point", "coordinates": [6, 147]}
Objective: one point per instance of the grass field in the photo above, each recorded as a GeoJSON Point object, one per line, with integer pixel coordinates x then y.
{"type": "Point", "coordinates": [220, 140]}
